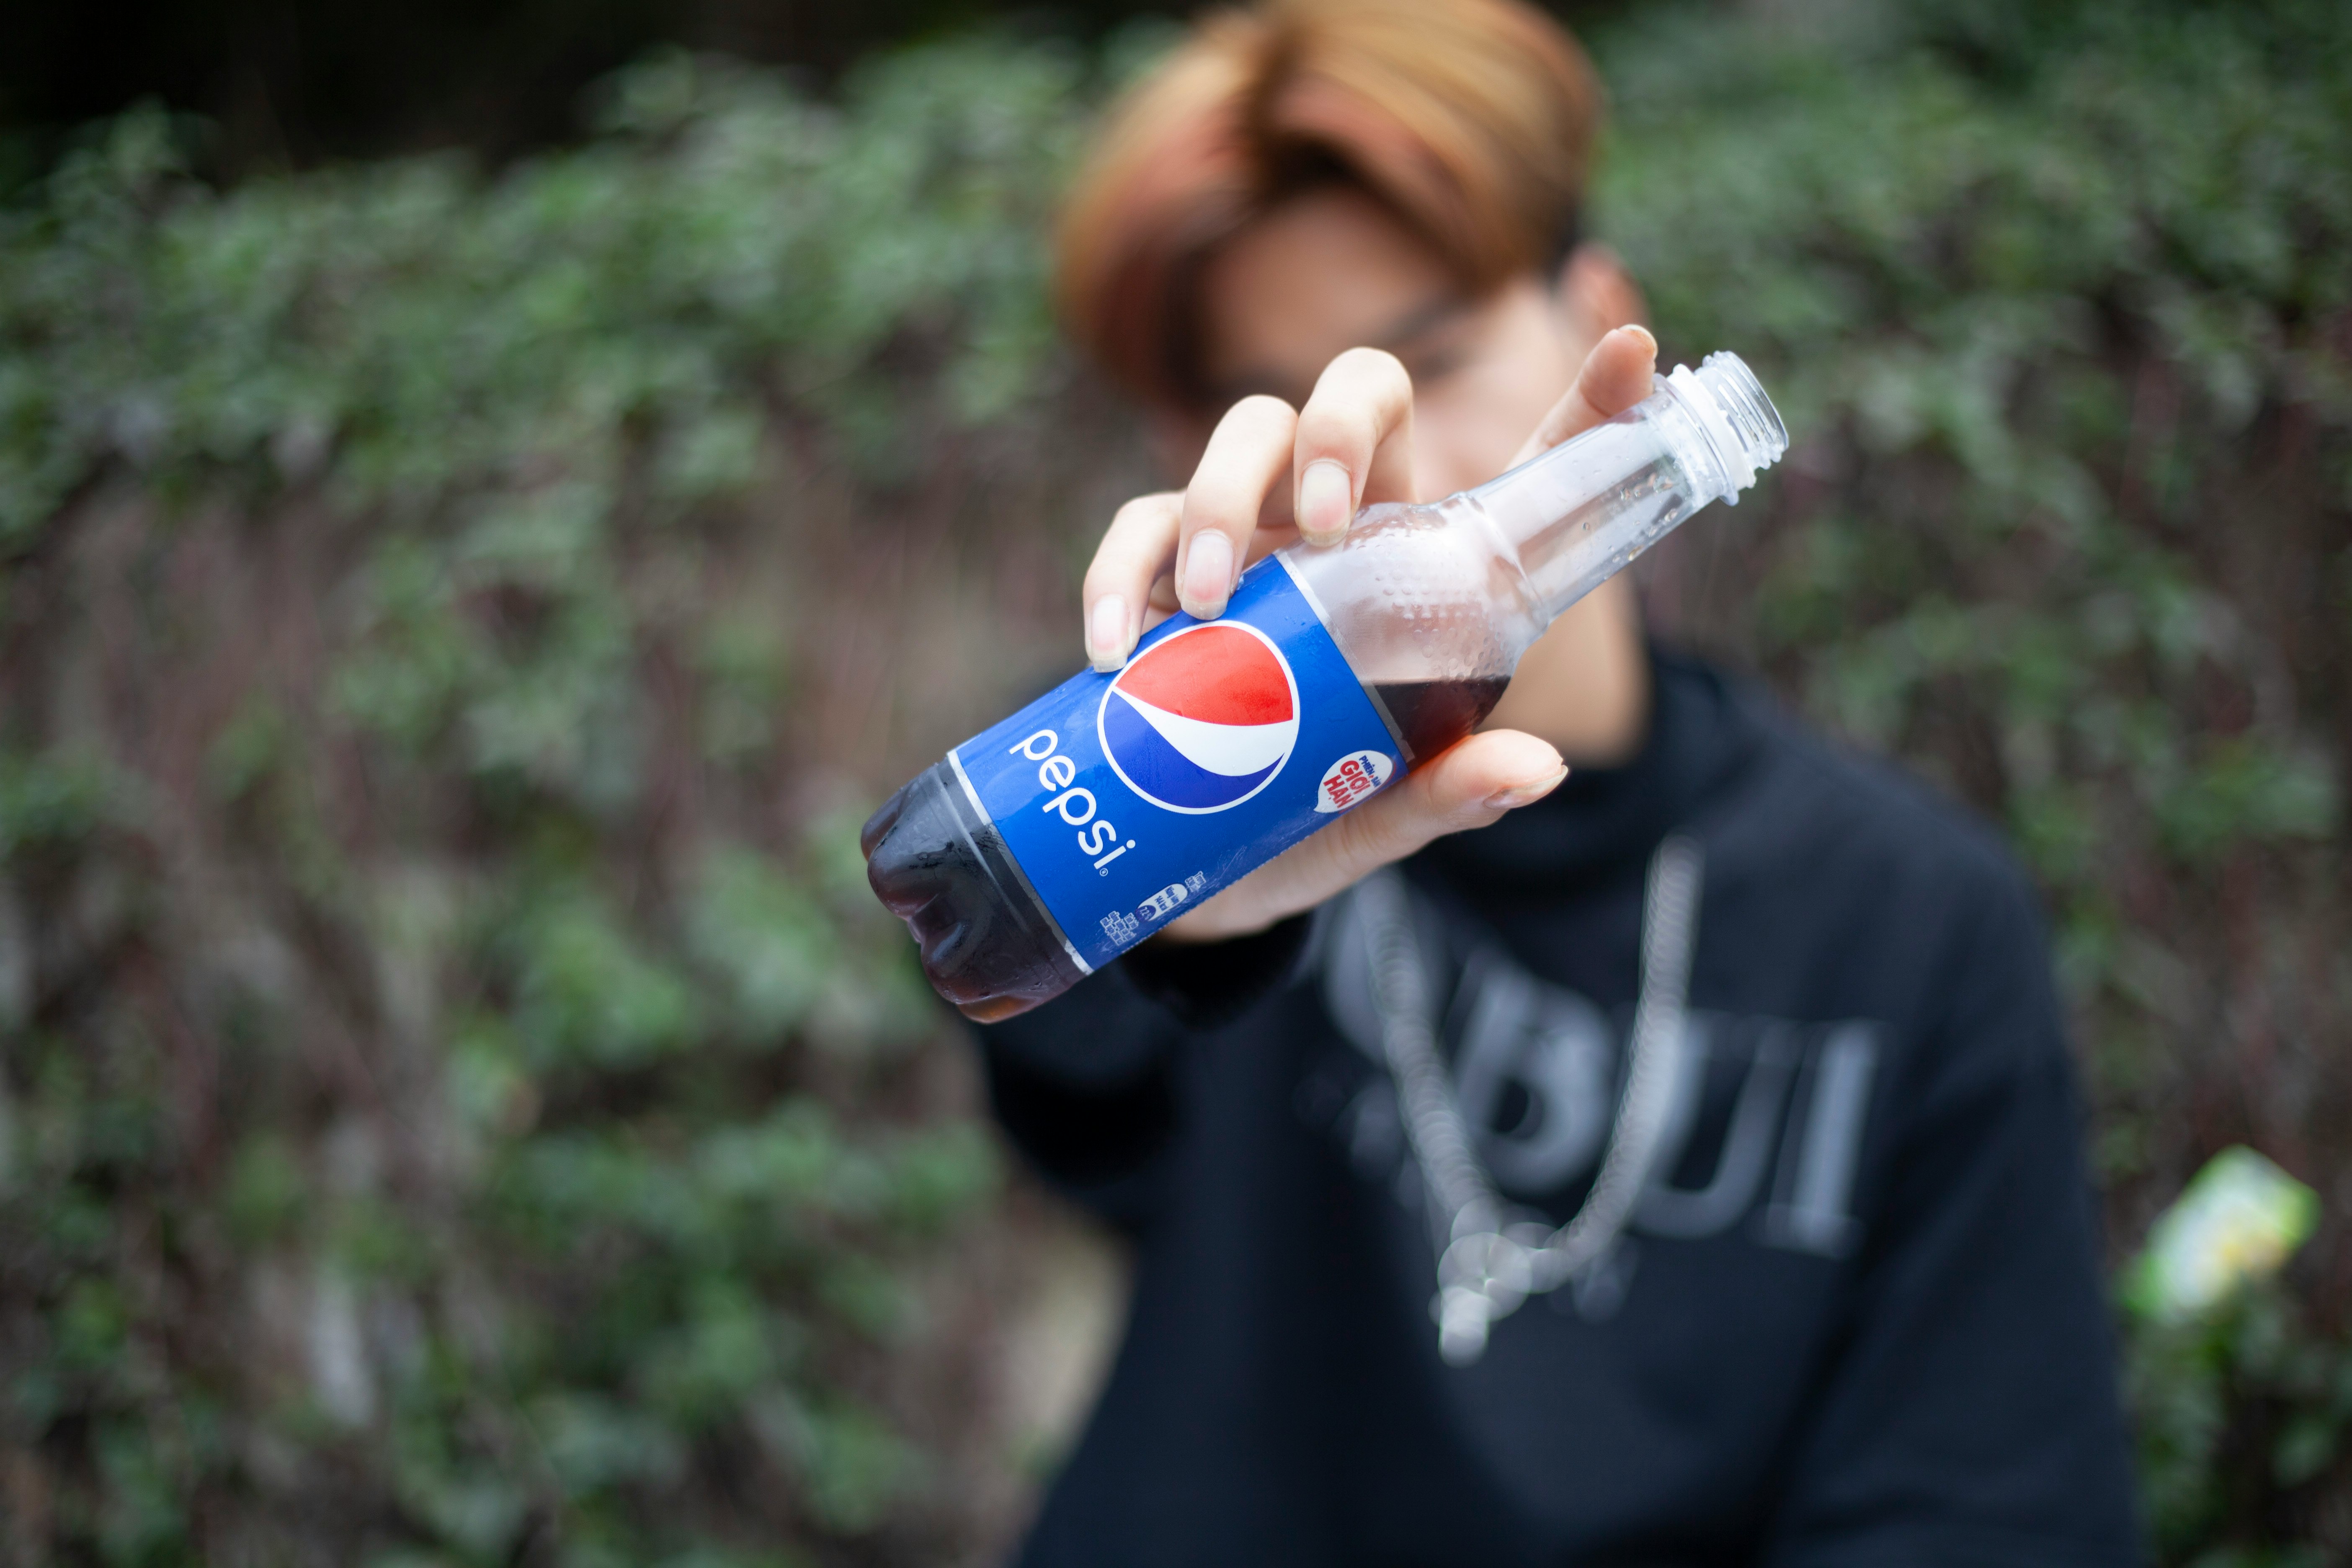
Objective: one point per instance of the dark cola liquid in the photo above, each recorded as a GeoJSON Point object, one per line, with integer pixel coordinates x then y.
{"type": "Point", "coordinates": [987, 946]}
{"type": "Point", "coordinates": [1433, 714]}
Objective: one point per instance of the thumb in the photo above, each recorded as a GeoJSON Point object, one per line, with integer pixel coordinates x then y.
{"type": "Point", "coordinates": [1615, 376]}
{"type": "Point", "coordinates": [1469, 784]}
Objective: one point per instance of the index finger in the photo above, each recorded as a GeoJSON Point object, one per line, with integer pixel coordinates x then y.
{"type": "Point", "coordinates": [1355, 443]}
{"type": "Point", "coordinates": [1140, 545]}
{"type": "Point", "coordinates": [1246, 453]}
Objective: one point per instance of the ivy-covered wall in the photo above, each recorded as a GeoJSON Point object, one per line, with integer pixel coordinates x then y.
{"type": "Point", "coordinates": [2058, 300]}
{"type": "Point", "coordinates": [457, 1102]}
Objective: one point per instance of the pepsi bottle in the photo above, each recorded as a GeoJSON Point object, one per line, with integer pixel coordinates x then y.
{"type": "Point", "coordinates": [1042, 849]}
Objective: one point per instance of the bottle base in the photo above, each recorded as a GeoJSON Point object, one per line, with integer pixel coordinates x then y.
{"type": "Point", "coordinates": [987, 948]}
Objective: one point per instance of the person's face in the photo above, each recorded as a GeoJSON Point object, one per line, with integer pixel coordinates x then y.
{"type": "Point", "coordinates": [1332, 270]}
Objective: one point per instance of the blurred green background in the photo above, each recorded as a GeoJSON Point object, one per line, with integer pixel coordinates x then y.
{"type": "Point", "coordinates": [473, 545]}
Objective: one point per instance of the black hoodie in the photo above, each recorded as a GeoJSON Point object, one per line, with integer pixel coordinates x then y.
{"type": "Point", "coordinates": [1857, 1319]}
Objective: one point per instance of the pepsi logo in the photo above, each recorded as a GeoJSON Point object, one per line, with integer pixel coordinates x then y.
{"type": "Point", "coordinates": [1202, 720]}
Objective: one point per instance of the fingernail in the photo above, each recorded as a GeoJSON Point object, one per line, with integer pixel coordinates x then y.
{"type": "Point", "coordinates": [1641, 332]}
{"type": "Point", "coordinates": [1326, 498]}
{"type": "Point", "coordinates": [1529, 793]}
{"type": "Point", "coordinates": [1208, 574]}
{"type": "Point", "coordinates": [1107, 633]}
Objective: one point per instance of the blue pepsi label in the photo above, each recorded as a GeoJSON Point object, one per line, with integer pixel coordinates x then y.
{"type": "Point", "coordinates": [1125, 799]}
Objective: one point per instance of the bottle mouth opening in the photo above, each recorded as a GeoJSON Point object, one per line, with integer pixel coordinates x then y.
{"type": "Point", "coordinates": [1740, 419]}
{"type": "Point", "coordinates": [1744, 403]}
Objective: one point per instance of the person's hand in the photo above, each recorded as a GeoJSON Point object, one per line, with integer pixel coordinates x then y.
{"type": "Point", "coordinates": [1349, 448]}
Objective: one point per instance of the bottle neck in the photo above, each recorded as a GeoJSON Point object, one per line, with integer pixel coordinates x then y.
{"type": "Point", "coordinates": [1578, 514]}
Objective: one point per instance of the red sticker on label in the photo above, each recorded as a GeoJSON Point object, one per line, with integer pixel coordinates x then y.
{"type": "Point", "coordinates": [1352, 778]}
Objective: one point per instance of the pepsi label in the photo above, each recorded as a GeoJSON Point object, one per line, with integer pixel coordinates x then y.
{"type": "Point", "coordinates": [1125, 799]}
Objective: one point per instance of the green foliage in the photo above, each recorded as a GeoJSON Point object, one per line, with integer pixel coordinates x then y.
{"type": "Point", "coordinates": [459, 1101]}
{"type": "Point", "coordinates": [2056, 299]}
{"type": "Point", "coordinates": [2246, 1402]}
{"type": "Point", "coordinates": [631, 313]}
{"type": "Point", "coordinates": [445, 1071]}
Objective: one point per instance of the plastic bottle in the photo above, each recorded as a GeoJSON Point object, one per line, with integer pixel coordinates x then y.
{"type": "Point", "coordinates": [1042, 848]}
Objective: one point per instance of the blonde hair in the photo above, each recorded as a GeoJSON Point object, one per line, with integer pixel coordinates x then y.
{"type": "Point", "coordinates": [1472, 120]}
